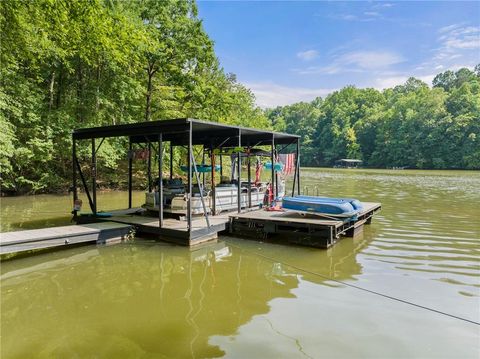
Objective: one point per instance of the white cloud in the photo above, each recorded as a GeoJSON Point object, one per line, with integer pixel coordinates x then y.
{"type": "Point", "coordinates": [392, 81]}
{"type": "Point", "coordinates": [388, 82]}
{"type": "Point", "coordinates": [346, 17]}
{"type": "Point", "coordinates": [382, 5]}
{"type": "Point", "coordinates": [325, 70]}
{"type": "Point", "coordinates": [269, 94]}
{"type": "Point", "coordinates": [355, 61]}
{"type": "Point", "coordinates": [458, 43]}
{"type": "Point", "coordinates": [448, 28]}
{"type": "Point", "coordinates": [460, 37]}
{"type": "Point", "coordinates": [366, 16]}
{"type": "Point", "coordinates": [307, 55]}
{"type": "Point", "coordinates": [371, 59]}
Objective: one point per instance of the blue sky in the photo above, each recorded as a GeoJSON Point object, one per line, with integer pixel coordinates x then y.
{"type": "Point", "coordinates": [294, 51]}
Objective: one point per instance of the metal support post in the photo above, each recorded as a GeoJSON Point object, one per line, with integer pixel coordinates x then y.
{"type": "Point", "coordinates": [160, 180]}
{"type": "Point", "coordinates": [249, 179]}
{"type": "Point", "coordinates": [171, 160]}
{"type": "Point", "coordinates": [149, 167]}
{"type": "Point", "coordinates": [74, 174]}
{"type": "Point", "coordinates": [130, 177]}
{"type": "Point", "coordinates": [94, 177]}
{"type": "Point", "coordinates": [212, 164]}
{"type": "Point", "coordinates": [239, 177]}
{"type": "Point", "coordinates": [298, 165]}
{"type": "Point", "coordinates": [221, 166]}
{"type": "Point", "coordinates": [272, 185]}
{"type": "Point", "coordinates": [189, 183]}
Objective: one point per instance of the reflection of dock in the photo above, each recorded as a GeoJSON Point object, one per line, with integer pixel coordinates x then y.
{"type": "Point", "coordinates": [38, 239]}
{"type": "Point", "coordinates": [301, 229]}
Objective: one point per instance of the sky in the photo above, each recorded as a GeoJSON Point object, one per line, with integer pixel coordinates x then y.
{"type": "Point", "coordinates": [292, 51]}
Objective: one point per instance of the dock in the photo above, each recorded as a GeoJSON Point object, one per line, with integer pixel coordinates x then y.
{"type": "Point", "coordinates": [65, 236]}
{"type": "Point", "coordinates": [296, 228]}
{"type": "Point", "coordinates": [172, 230]}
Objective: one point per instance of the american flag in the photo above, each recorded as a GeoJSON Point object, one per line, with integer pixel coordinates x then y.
{"type": "Point", "coordinates": [258, 172]}
{"type": "Point", "coordinates": [288, 161]}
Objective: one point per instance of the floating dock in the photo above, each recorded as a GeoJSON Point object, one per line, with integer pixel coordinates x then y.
{"type": "Point", "coordinates": [172, 230]}
{"type": "Point", "coordinates": [289, 226]}
{"type": "Point", "coordinates": [199, 220]}
{"type": "Point", "coordinates": [55, 237]}
{"type": "Point", "coordinates": [293, 227]}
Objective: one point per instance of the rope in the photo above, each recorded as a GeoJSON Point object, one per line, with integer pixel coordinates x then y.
{"type": "Point", "coordinates": [358, 287]}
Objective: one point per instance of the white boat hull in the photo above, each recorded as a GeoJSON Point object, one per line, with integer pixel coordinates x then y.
{"type": "Point", "coordinates": [226, 199]}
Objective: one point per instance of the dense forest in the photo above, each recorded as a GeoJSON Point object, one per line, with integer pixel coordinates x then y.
{"type": "Point", "coordinates": [411, 125]}
{"type": "Point", "coordinates": [73, 64]}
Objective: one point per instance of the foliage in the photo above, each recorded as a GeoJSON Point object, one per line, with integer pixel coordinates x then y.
{"type": "Point", "coordinates": [85, 63]}
{"type": "Point", "coordinates": [411, 125]}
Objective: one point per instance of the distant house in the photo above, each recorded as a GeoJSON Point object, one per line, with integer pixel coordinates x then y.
{"type": "Point", "coordinates": [348, 163]}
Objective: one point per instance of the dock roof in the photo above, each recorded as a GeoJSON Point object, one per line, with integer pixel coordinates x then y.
{"type": "Point", "coordinates": [176, 131]}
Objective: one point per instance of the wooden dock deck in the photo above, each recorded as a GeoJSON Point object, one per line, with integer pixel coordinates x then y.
{"type": "Point", "coordinates": [45, 238]}
{"type": "Point", "coordinates": [310, 230]}
{"type": "Point", "coordinates": [173, 230]}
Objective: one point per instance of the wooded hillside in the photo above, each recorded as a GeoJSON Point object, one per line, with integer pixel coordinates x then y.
{"type": "Point", "coordinates": [74, 64]}
{"type": "Point", "coordinates": [411, 125]}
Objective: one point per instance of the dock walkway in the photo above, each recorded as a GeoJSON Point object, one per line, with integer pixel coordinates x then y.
{"type": "Point", "coordinates": [173, 230]}
{"type": "Point", "coordinates": [36, 239]}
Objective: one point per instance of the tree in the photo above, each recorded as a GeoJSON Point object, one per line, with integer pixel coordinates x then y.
{"type": "Point", "coordinates": [445, 80]}
{"type": "Point", "coordinates": [89, 63]}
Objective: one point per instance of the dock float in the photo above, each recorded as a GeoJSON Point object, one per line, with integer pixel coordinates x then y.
{"type": "Point", "coordinates": [40, 239]}
{"type": "Point", "coordinates": [293, 227]}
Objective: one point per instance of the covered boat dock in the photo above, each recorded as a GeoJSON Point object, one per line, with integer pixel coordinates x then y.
{"type": "Point", "coordinates": [216, 141]}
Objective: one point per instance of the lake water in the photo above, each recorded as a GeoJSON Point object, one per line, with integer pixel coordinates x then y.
{"type": "Point", "coordinates": [246, 299]}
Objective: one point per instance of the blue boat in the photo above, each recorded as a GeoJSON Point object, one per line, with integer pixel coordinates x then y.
{"type": "Point", "coordinates": [334, 207]}
{"type": "Point", "coordinates": [356, 204]}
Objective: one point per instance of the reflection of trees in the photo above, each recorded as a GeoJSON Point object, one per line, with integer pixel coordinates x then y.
{"type": "Point", "coordinates": [159, 300]}
{"type": "Point", "coordinates": [151, 299]}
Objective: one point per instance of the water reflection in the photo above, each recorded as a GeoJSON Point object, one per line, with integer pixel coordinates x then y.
{"type": "Point", "coordinates": [153, 298]}
{"type": "Point", "coordinates": [40, 211]}
{"type": "Point", "coordinates": [243, 298]}
{"type": "Point", "coordinates": [425, 243]}
{"type": "Point", "coordinates": [156, 300]}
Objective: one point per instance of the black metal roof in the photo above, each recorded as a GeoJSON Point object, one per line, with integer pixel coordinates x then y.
{"type": "Point", "coordinates": [176, 130]}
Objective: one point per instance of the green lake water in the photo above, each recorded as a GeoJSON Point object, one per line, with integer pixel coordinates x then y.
{"type": "Point", "coordinates": [246, 299]}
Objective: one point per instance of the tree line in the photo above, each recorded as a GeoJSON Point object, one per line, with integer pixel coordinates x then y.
{"type": "Point", "coordinates": [411, 125]}
{"type": "Point", "coordinates": [85, 63]}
